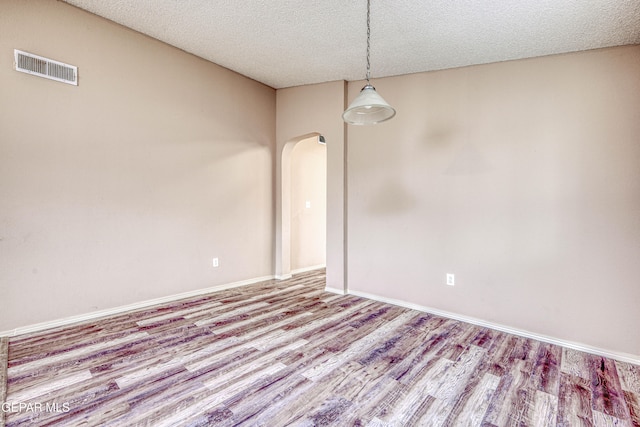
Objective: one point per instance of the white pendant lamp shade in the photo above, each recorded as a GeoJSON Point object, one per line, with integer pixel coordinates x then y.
{"type": "Point", "coordinates": [368, 108]}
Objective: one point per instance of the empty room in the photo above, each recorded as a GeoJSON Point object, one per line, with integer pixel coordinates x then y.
{"type": "Point", "coordinates": [337, 213]}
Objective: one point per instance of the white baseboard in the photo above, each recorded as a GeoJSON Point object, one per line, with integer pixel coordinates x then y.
{"type": "Point", "coordinates": [335, 290]}
{"type": "Point", "coordinates": [622, 357]}
{"type": "Point", "coordinates": [305, 269]}
{"type": "Point", "coordinates": [118, 310]}
{"type": "Point", "coordinates": [298, 271]}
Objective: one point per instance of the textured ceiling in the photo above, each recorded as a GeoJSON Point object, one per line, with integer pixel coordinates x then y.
{"type": "Point", "coordinates": [285, 43]}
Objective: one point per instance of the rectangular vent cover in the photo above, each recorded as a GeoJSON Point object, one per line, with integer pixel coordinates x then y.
{"type": "Point", "coordinates": [47, 68]}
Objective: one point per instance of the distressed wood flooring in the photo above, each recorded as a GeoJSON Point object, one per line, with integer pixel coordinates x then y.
{"type": "Point", "coordinates": [283, 353]}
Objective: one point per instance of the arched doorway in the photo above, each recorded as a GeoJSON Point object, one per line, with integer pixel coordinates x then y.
{"type": "Point", "coordinates": [301, 206]}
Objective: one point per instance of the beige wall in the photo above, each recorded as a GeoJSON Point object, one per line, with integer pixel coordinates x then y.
{"type": "Point", "coordinates": [521, 178]}
{"type": "Point", "coordinates": [124, 188]}
{"type": "Point", "coordinates": [308, 222]}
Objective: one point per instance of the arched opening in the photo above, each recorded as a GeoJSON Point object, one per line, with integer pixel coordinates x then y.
{"type": "Point", "coordinates": [301, 206]}
{"type": "Point", "coordinates": [308, 205]}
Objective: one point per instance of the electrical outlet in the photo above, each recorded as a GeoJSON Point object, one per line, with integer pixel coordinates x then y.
{"type": "Point", "coordinates": [451, 279]}
{"type": "Point", "coordinates": [216, 263]}
{"type": "Point", "coordinates": [308, 204]}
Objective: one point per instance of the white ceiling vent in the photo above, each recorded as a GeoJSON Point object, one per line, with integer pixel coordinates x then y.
{"type": "Point", "coordinates": [47, 68]}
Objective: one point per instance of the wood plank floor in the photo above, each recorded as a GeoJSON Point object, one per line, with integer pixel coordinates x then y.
{"type": "Point", "coordinates": [285, 353]}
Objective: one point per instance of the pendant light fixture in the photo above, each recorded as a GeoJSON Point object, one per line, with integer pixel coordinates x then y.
{"type": "Point", "coordinates": [368, 108]}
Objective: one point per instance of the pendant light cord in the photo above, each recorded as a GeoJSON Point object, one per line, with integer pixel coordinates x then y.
{"type": "Point", "coordinates": [368, 40]}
